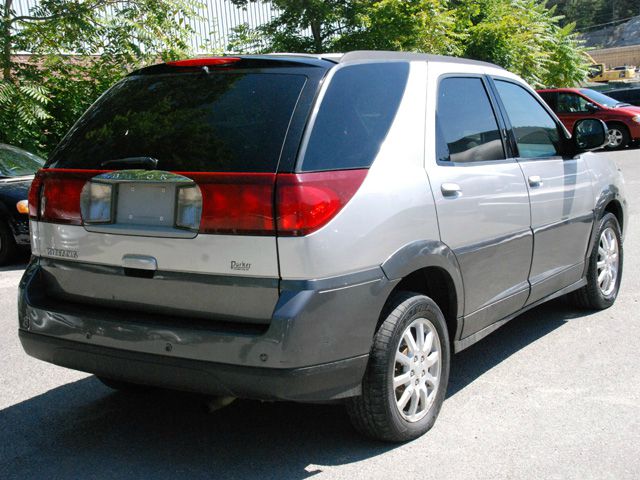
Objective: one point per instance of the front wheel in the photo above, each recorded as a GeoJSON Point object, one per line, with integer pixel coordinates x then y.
{"type": "Point", "coordinates": [408, 371]}
{"type": "Point", "coordinates": [605, 267]}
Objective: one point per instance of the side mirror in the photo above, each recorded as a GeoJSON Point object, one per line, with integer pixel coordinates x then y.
{"type": "Point", "coordinates": [589, 134]}
{"type": "Point", "coordinates": [591, 107]}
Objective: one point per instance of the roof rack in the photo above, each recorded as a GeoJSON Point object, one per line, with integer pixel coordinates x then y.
{"type": "Point", "coordinates": [387, 55]}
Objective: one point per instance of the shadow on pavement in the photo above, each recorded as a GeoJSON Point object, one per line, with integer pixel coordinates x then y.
{"type": "Point", "coordinates": [507, 340]}
{"type": "Point", "coordinates": [18, 263]}
{"type": "Point", "coordinates": [83, 429]}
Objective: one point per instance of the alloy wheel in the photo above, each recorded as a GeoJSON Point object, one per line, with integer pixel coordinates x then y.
{"type": "Point", "coordinates": [417, 368]}
{"type": "Point", "coordinates": [615, 137]}
{"type": "Point", "coordinates": [608, 261]}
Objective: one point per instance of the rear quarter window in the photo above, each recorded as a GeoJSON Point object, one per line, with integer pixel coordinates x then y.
{"type": "Point", "coordinates": [355, 116]}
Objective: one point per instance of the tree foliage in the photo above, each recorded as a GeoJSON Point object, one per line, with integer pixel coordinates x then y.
{"type": "Point", "coordinates": [523, 36]}
{"type": "Point", "coordinates": [79, 48]}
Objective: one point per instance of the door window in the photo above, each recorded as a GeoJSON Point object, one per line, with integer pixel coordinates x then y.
{"type": "Point", "coordinates": [466, 126]}
{"type": "Point", "coordinates": [571, 103]}
{"type": "Point", "coordinates": [535, 130]}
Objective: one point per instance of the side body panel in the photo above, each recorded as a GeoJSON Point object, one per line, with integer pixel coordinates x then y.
{"type": "Point", "coordinates": [391, 209]}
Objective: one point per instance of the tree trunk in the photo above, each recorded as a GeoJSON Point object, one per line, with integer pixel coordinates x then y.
{"type": "Point", "coordinates": [5, 39]}
{"type": "Point", "coordinates": [316, 31]}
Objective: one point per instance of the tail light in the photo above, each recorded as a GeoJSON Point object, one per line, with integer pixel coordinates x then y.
{"type": "Point", "coordinates": [236, 203]}
{"type": "Point", "coordinates": [54, 195]}
{"type": "Point", "coordinates": [218, 203]}
{"type": "Point", "coordinates": [307, 201]}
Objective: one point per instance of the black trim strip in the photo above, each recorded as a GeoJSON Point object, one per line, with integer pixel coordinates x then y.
{"type": "Point", "coordinates": [466, 342]}
{"type": "Point", "coordinates": [334, 283]}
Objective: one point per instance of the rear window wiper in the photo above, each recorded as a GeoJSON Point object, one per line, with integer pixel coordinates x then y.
{"type": "Point", "coordinates": [146, 163]}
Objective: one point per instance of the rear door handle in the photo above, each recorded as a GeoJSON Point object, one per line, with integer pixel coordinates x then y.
{"type": "Point", "coordinates": [450, 189]}
{"type": "Point", "coordinates": [535, 181]}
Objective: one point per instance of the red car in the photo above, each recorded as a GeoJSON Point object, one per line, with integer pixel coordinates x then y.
{"type": "Point", "coordinates": [572, 104]}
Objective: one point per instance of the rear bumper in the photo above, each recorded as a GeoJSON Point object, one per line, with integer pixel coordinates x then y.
{"type": "Point", "coordinates": [314, 349]}
{"type": "Point", "coordinates": [317, 383]}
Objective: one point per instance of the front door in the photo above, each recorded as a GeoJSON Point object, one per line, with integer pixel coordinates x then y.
{"type": "Point", "coordinates": [560, 192]}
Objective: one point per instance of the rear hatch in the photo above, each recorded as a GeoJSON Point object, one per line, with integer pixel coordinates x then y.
{"type": "Point", "coordinates": [161, 197]}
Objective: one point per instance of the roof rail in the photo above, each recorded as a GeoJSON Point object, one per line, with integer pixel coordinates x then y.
{"type": "Point", "coordinates": [388, 55]}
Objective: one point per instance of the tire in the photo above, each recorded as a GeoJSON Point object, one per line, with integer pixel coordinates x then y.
{"type": "Point", "coordinates": [619, 136]}
{"type": "Point", "coordinates": [598, 295]}
{"type": "Point", "coordinates": [8, 246]}
{"type": "Point", "coordinates": [377, 412]}
{"type": "Point", "coordinates": [122, 386]}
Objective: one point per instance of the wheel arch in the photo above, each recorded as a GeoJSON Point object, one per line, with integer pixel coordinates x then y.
{"type": "Point", "coordinates": [430, 268]}
{"type": "Point", "coordinates": [609, 201]}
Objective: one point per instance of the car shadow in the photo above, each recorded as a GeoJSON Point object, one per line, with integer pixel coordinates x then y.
{"type": "Point", "coordinates": [520, 332]}
{"type": "Point", "coordinates": [19, 262]}
{"type": "Point", "coordinates": [83, 429]}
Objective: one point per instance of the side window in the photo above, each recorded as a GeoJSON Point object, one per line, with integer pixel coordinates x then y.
{"type": "Point", "coordinates": [535, 130]}
{"type": "Point", "coordinates": [571, 103]}
{"type": "Point", "coordinates": [355, 116]}
{"type": "Point", "coordinates": [466, 127]}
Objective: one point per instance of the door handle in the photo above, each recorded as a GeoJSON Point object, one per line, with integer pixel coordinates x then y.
{"type": "Point", "coordinates": [535, 181]}
{"type": "Point", "coordinates": [450, 189]}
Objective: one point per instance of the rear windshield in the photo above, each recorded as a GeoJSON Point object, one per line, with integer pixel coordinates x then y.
{"type": "Point", "coordinates": [196, 122]}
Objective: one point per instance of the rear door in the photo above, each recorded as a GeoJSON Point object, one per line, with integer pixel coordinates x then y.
{"type": "Point", "coordinates": [161, 197]}
{"type": "Point", "coordinates": [559, 188]}
{"type": "Point", "coordinates": [482, 202]}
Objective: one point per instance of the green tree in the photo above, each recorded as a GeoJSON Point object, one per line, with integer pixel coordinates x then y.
{"type": "Point", "coordinates": [302, 26]}
{"type": "Point", "coordinates": [524, 37]}
{"type": "Point", "coordinates": [419, 26]}
{"type": "Point", "coordinates": [41, 96]}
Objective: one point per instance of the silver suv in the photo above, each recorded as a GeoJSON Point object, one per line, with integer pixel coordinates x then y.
{"type": "Point", "coordinates": [313, 228]}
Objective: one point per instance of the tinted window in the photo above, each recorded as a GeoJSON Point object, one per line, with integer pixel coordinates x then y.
{"type": "Point", "coordinates": [598, 97]}
{"type": "Point", "coordinates": [466, 127]}
{"type": "Point", "coordinates": [189, 122]}
{"type": "Point", "coordinates": [355, 115]}
{"type": "Point", "coordinates": [631, 95]}
{"type": "Point", "coordinates": [571, 103]}
{"type": "Point", "coordinates": [535, 130]}
{"type": "Point", "coordinates": [549, 98]}
{"type": "Point", "coordinates": [15, 162]}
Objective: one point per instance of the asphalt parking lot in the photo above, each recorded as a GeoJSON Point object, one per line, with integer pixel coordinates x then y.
{"type": "Point", "coordinates": [553, 394]}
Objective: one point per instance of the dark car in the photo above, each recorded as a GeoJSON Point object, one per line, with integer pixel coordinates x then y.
{"type": "Point", "coordinates": [626, 95]}
{"type": "Point", "coordinates": [17, 168]}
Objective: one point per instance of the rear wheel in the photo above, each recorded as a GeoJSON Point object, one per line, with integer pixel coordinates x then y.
{"type": "Point", "coordinates": [8, 246]}
{"type": "Point", "coordinates": [605, 267]}
{"type": "Point", "coordinates": [618, 136]}
{"type": "Point", "coordinates": [408, 371]}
